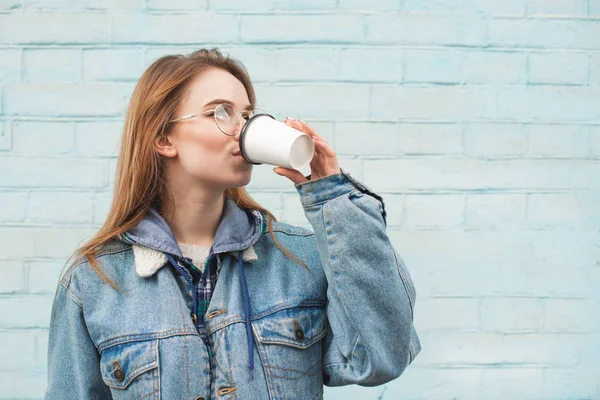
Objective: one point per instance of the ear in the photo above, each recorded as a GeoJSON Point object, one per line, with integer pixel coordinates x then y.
{"type": "Point", "coordinates": [164, 146]}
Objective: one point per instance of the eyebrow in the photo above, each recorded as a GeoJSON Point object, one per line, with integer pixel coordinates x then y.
{"type": "Point", "coordinates": [221, 101]}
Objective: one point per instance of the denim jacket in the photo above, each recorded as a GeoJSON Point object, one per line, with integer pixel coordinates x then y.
{"type": "Point", "coordinates": [275, 329]}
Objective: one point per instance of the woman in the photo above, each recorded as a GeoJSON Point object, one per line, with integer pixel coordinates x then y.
{"type": "Point", "coordinates": [192, 290]}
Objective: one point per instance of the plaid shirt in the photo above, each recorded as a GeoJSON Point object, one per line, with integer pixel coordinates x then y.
{"type": "Point", "coordinates": [204, 285]}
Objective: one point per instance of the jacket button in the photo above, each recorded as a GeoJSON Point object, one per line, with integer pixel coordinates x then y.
{"type": "Point", "coordinates": [119, 374]}
{"type": "Point", "coordinates": [194, 318]}
{"type": "Point", "coordinates": [200, 398]}
{"type": "Point", "coordinates": [299, 334]}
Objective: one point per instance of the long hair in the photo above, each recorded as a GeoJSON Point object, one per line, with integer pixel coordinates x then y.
{"type": "Point", "coordinates": [139, 183]}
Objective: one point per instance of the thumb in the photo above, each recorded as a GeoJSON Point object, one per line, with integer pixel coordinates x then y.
{"type": "Point", "coordinates": [292, 174]}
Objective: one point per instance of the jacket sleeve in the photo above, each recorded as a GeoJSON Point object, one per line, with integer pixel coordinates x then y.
{"type": "Point", "coordinates": [73, 360]}
{"type": "Point", "coordinates": [371, 338]}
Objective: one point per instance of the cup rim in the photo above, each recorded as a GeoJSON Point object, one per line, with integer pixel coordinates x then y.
{"type": "Point", "coordinates": [243, 135]}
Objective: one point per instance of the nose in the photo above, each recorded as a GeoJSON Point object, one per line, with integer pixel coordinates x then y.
{"type": "Point", "coordinates": [239, 128]}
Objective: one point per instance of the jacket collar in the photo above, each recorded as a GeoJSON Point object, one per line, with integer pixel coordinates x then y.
{"type": "Point", "coordinates": [238, 230]}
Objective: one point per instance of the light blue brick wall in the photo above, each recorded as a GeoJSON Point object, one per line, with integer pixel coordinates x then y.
{"type": "Point", "coordinates": [477, 120]}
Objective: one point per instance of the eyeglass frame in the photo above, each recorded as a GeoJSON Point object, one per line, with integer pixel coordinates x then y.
{"type": "Point", "coordinates": [251, 113]}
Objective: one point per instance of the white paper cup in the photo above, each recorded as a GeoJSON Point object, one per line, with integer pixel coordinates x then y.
{"type": "Point", "coordinates": [263, 139]}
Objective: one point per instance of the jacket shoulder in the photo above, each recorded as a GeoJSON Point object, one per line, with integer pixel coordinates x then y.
{"type": "Point", "coordinates": [113, 246]}
{"type": "Point", "coordinates": [290, 229]}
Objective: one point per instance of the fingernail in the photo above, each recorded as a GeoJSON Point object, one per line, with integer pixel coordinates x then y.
{"type": "Point", "coordinates": [303, 121]}
{"type": "Point", "coordinates": [290, 118]}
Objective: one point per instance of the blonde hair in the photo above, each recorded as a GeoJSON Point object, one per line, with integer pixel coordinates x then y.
{"type": "Point", "coordinates": [139, 183]}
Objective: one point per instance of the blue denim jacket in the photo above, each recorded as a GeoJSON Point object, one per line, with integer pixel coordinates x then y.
{"type": "Point", "coordinates": [275, 329]}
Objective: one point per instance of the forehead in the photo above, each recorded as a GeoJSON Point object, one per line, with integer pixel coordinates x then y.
{"type": "Point", "coordinates": [213, 84]}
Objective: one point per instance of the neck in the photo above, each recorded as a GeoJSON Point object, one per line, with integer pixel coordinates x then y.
{"type": "Point", "coordinates": [194, 215]}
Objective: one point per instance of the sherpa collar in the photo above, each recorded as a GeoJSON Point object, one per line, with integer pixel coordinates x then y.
{"type": "Point", "coordinates": [238, 231]}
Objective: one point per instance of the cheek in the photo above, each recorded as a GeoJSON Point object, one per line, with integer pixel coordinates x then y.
{"type": "Point", "coordinates": [197, 150]}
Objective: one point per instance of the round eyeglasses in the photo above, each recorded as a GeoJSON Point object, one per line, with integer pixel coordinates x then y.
{"type": "Point", "coordinates": [227, 118]}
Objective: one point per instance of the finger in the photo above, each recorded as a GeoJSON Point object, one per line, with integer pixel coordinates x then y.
{"type": "Point", "coordinates": [310, 130]}
{"type": "Point", "coordinates": [323, 147]}
{"type": "Point", "coordinates": [292, 174]}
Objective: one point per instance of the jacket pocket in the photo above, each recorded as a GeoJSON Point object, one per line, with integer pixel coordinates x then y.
{"type": "Point", "coordinates": [290, 345]}
{"type": "Point", "coordinates": [131, 369]}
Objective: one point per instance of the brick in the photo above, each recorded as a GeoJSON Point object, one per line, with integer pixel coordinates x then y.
{"type": "Point", "coordinates": [38, 99]}
{"type": "Point", "coordinates": [439, 102]}
{"type": "Point", "coordinates": [547, 33]}
{"type": "Point", "coordinates": [113, 64]}
{"type": "Point", "coordinates": [98, 139]}
{"type": "Point", "coordinates": [112, 168]}
{"type": "Point", "coordinates": [25, 311]}
{"type": "Point", "coordinates": [595, 141]}
{"type": "Point", "coordinates": [180, 5]}
{"type": "Point", "coordinates": [594, 9]}
{"type": "Point", "coordinates": [102, 203]}
{"type": "Point", "coordinates": [305, 5]}
{"type": "Point", "coordinates": [10, 65]}
{"type": "Point", "coordinates": [23, 383]}
{"type": "Point", "coordinates": [338, 28]}
{"type": "Point", "coordinates": [548, 103]}
{"type": "Point", "coordinates": [558, 140]}
{"type": "Point", "coordinates": [500, 211]}
{"type": "Point", "coordinates": [117, 4]}
{"type": "Point", "coordinates": [545, 349]}
{"type": "Point", "coordinates": [555, 209]}
{"type": "Point", "coordinates": [562, 8]}
{"type": "Point", "coordinates": [43, 276]}
{"type": "Point", "coordinates": [495, 140]}
{"type": "Point", "coordinates": [187, 28]}
{"type": "Point", "coordinates": [426, 29]}
{"type": "Point", "coordinates": [60, 208]}
{"type": "Point", "coordinates": [258, 61]}
{"type": "Point", "coordinates": [14, 206]}
{"type": "Point", "coordinates": [426, 173]}
{"type": "Point", "coordinates": [540, 174]}
{"type": "Point", "coordinates": [433, 66]}
{"type": "Point", "coordinates": [511, 315]}
{"type": "Point", "coordinates": [12, 279]}
{"type": "Point", "coordinates": [370, 65]}
{"type": "Point", "coordinates": [558, 68]}
{"type": "Point", "coordinates": [304, 65]}
{"type": "Point", "coordinates": [15, 243]}
{"type": "Point", "coordinates": [54, 27]}
{"type": "Point", "coordinates": [574, 383]}
{"type": "Point", "coordinates": [360, 5]}
{"type": "Point", "coordinates": [293, 213]}
{"type": "Point", "coordinates": [595, 69]}
{"type": "Point", "coordinates": [42, 137]}
{"type": "Point", "coordinates": [512, 383]}
{"type": "Point", "coordinates": [341, 100]}
{"type": "Point", "coordinates": [394, 206]}
{"type": "Point", "coordinates": [53, 4]}
{"type": "Point", "coordinates": [571, 315]}
{"type": "Point", "coordinates": [430, 139]}
{"type": "Point", "coordinates": [366, 138]}
{"type": "Point", "coordinates": [10, 5]}
{"type": "Point", "coordinates": [269, 200]}
{"type": "Point", "coordinates": [264, 178]}
{"type": "Point", "coordinates": [450, 348]}
{"type": "Point", "coordinates": [52, 173]}
{"type": "Point", "coordinates": [239, 6]}
{"type": "Point", "coordinates": [5, 135]}
{"type": "Point", "coordinates": [507, 8]}
{"type": "Point", "coordinates": [434, 211]}
{"type": "Point", "coordinates": [447, 315]}
{"type": "Point", "coordinates": [58, 243]}
{"type": "Point", "coordinates": [432, 384]}
{"type": "Point", "coordinates": [18, 350]}
{"type": "Point", "coordinates": [495, 67]}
